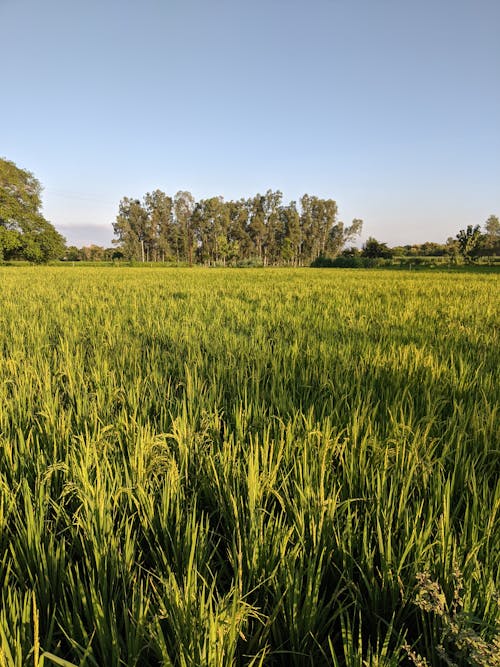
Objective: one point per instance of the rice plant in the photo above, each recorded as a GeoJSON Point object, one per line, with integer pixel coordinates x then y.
{"type": "Point", "coordinates": [251, 467]}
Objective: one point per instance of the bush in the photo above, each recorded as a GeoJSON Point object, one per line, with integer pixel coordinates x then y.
{"type": "Point", "coordinates": [350, 262]}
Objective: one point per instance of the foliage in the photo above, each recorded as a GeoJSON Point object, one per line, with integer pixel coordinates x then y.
{"type": "Point", "coordinates": [24, 232]}
{"type": "Point", "coordinates": [469, 240]}
{"type": "Point", "coordinates": [492, 227]}
{"type": "Point", "coordinates": [206, 467]}
{"type": "Point", "coordinates": [490, 242]}
{"type": "Point", "coordinates": [352, 261]}
{"type": "Point", "coordinates": [373, 249]}
{"type": "Point", "coordinates": [214, 232]}
{"type": "Point", "coordinates": [427, 249]}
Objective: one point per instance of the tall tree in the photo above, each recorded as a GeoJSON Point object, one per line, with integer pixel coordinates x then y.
{"type": "Point", "coordinates": [210, 224]}
{"type": "Point", "coordinates": [238, 234]}
{"type": "Point", "coordinates": [159, 208]}
{"type": "Point", "coordinates": [291, 242]}
{"type": "Point", "coordinates": [307, 227]}
{"type": "Point", "coordinates": [24, 232]}
{"type": "Point", "coordinates": [257, 224]}
{"type": "Point", "coordinates": [339, 235]}
{"type": "Point", "coordinates": [492, 234]}
{"type": "Point", "coordinates": [271, 207]}
{"type": "Point", "coordinates": [132, 229]}
{"type": "Point", "coordinates": [317, 219]}
{"type": "Point", "coordinates": [184, 205]}
{"type": "Point", "coordinates": [214, 231]}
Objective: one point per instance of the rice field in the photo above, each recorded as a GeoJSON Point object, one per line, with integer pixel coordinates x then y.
{"type": "Point", "coordinates": [248, 467]}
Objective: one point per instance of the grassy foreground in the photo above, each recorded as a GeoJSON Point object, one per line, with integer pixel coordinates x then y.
{"type": "Point", "coordinates": [277, 467]}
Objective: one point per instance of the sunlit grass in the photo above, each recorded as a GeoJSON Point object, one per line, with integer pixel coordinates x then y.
{"type": "Point", "coordinates": [209, 467]}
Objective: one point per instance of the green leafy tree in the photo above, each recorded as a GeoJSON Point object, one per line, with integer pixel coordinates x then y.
{"type": "Point", "coordinates": [271, 206]}
{"type": "Point", "coordinates": [492, 227]}
{"type": "Point", "coordinates": [339, 235]}
{"type": "Point", "coordinates": [491, 238]}
{"type": "Point", "coordinates": [24, 232]}
{"type": "Point", "coordinates": [238, 234]}
{"type": "Point", "coordinates": [261, 228]}
{"type": "Point", "coordinates": [373, 248]}
{"type": "Point", "coordinates": [321, 233]}
{"type": "Point", "coordinates": [317, 218]}
{"type": "Point", "coordinates": [72, 254]}
{"type": "Point", "coordinates": [352, 251]}
{"type": "Point", "coordinates": [452, 249]}
{"type": "Point", "coordinates": [93, 253]}
{"type": "Point", "coordinates": [257, 225]}
{"type": "Point", "coordinates": [10, 242]}
{"type": "Point", "coordinates": [41, 242]}
{"type": "Point", "coordinates": [430, 249]}
{"type": "Point", "coordinates": [161, 230]}
{"type": "Point", "coordinates": [469, 240]}
{"type": "Point", "coordinates": [290, 246]}
{"type": "Point", "coordinates": [184, 205]}
{"type": "Point", "coordinates": [210, 222]}
{"type": "Point", "coordinates": [131, 228]}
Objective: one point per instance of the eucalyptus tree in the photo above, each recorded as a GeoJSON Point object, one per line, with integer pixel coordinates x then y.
{"type": "Point", "coordinates": [492, 234]}
{"type": "Point", "coordinates": [214, 231]}
{"type": "Point", "coordinates": [292, 237]}
{"type": "Point", "coordinates": [210, 221]}
{"type": "Point", "coordinates": [159, 207]}
{"type": "Point", "coordinates": [271, 206]}
{"type": "Point", "coordinates": [257, 224]}
{"type": "Point", "coordinates": [238, 233]}
{"type": "Point", "coordinates": [132, 229]}
{"type": "Point", "coordinates": [184, 205]}
{"type": "Point", "coordinates": [340, 235]}
{"type": "Point", "coordinates": [318, 219]}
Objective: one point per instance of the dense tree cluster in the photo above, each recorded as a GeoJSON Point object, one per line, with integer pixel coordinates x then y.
{"type": "Point", "coordinates": [213, 231]}
{"type": "Point", "coordinates": [92, 253]}
{"type": "Point", "coordinates": [24, 232]}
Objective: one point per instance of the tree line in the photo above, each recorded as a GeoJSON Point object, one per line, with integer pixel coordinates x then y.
{"type": "Point", "coordinates": [212, 231]}
{"type": "Point", "coordinates": [468, 245]}
{"type": "Point", "coordinates": [262, 230]}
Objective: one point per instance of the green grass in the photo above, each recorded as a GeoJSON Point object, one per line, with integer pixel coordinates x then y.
{"type": "Point", "coordinates": [252, 467]}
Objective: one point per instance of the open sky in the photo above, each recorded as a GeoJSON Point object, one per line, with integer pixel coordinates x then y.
{"type": "Point", "coordinates": [391, 107]}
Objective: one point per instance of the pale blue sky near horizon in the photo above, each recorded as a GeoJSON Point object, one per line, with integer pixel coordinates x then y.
{"type": "Point", "coordinates": [390, 107]}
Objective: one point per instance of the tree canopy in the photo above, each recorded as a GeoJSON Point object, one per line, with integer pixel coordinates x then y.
{"type": "Point", "coordinates": [262, 229]}
{"type": "Point", "coordinates": [491, 239]}
{"type": "Point", "coordinates": [24, 232]}
{"type": "Point", "coordinates": [373, 248]}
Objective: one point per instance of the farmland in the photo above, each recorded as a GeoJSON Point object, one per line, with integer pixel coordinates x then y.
{"type": "Point", "coordinates": [248, 467]}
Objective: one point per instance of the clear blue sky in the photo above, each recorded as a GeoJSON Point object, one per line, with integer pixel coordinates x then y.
{"type": "Point", "coordinates": [391, 107]}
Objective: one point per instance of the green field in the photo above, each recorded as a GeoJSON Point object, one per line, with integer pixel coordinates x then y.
{"type": "Point", "coordinates": [248, 467]}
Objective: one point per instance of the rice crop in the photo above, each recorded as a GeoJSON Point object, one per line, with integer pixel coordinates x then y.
{"type": "Point", "coordinates": [248, 467]}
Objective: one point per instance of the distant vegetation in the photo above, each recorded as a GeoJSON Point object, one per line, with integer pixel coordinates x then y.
{"type": "Point", "coordinates": [267, 232]}
{"type": "Point", "coordinates": [258, 231]}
